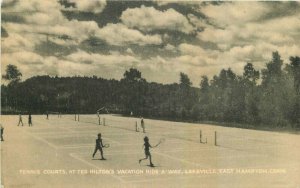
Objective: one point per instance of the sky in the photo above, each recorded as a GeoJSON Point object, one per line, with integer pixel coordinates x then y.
{"type": "Point", "coordinates": [159, 38]}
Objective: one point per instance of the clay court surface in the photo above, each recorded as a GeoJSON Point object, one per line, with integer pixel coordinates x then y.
{"type": "Point", "coordinates": [58, 153]}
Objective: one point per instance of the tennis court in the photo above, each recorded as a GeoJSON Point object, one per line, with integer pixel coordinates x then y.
{"type": "Point", "coordinates": [58, 153]}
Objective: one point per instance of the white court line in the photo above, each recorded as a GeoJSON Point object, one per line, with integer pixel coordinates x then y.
{"type": "Point", "coordinates": [87, 145]}
{"type": "Point", "coordinates": [50, 144]}
{"type": "Point", "coordinates": [76, 146]}
{"type": "Point", "coordinates": [220, 157]}
{"type": "Point", "coordinates": [41, 139]}
{"type": "Point", "coordinates": [102, 132]}
{"type": "Point", "coordinates": [66, 135]}
{"type": "Point", "coordinates": [83, 133]}
{"type": "Point", "coordinates": [162, 154]}
{"type": "Point", "coordinates": [114, 152]}
{"type": "Point", "coordinates": [178, 159]}
{"type": "Point", "coordinates": [56, 126]}
{"type": "Point", "coordinates": [56, 148]}
{"type": "Point", "coordinates": [94, 166]}
{"type": "Point", "coordinates": [90, 145]}
{"type": "Point", "coordinates": [77, 136]}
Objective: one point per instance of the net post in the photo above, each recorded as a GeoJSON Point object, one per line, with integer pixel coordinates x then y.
{"type": "Point", "coordinates": [216, 138]}
{"type": "Point", "coordinates": [99, 122]}
{"type": "Point", "coordinates": [136, 126]}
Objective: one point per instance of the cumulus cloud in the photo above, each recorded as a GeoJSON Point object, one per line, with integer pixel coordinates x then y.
{"type": "Point", "coordinates": [100, 59]}
{"type": "Point", "coordinates": [95, 6]}
{"type": "Point", "coordinates": [78, 63]}
{"type": "Point", "coordinates": [129, 51]}
{"type": "Point", "coordinates": [31, 6]}
{"type": "Point", "coordinates": [42, 22]}
{"type": "Point", "coordinates": [169, 47]}
{"type": "Point", "coordinates": [16, 42]}
{"type": "Point", "coordinates": [76, 30]}
{"type": "Point", "coordinates": [149, 19]}
{"type": "Point", "coordinates": [119, 34]}
{"type": "Point", "coordinates": [247, 38]}
{"type": "Point", "coordinates": [199, 23]}
{"type": "Point", "coordinates": [229, 13]}
{"type": "Point", "coordinates": [232, 34]}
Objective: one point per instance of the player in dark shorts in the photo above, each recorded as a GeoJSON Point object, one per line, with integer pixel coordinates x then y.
{"type": "Point", "coordinates": [20, 120]}
{"type": "Point", "coordinates": [99, 146]}
{"type": "Point", "coordinates": [147, 147]}
{"type": "Point", "coordinates": [2, 131]}
{"type": "Point", "coordinates": [29, 120]}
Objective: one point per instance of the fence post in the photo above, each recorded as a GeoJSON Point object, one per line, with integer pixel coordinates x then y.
{"type": "Point", "coordinates": [216, 138]}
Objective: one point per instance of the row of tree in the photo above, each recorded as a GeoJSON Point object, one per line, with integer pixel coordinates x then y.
{"type": "Point", "coordinates": [270, 97]}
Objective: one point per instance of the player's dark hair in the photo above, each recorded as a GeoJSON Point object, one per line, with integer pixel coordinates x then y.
{"type": "Point", "coordinates": [146, 139]}
{"type": "Point", "coordinates": [99, 134]}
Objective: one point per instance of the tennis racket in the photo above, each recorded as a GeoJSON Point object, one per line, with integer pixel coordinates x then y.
{"type": "Point", "coordinates": [106, 145]}
{"type": "Point", "coordinates": [162, 140]}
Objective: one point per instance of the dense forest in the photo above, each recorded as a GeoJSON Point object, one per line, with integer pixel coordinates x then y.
{"type": "Point", "coordinates": [270, 97]}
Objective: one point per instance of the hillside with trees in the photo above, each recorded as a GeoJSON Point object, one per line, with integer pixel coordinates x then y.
{"type": "Point", "coordinates": [270, 97]}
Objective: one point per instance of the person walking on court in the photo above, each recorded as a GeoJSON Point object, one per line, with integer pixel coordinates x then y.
{"type": "Point", "coordinates": [143, 125]}
{"type": "Point", "coordinates": [2, 131]}
{"type": "Point", "coordinates": [47, 115]}
{"type": "Point", "coordinates": [20, 120]}
{"type": "Point", "coordinates": [147, 147]}
{"type": "Point", "coordinates": [99, 146]}
{"type": "Point", "coordinates": [29, 120]}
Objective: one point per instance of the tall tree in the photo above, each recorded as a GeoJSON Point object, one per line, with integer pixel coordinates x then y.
{"type": "Point", "coordinates": [273, 72]}
{"type": "Point", "coordinates": [294, 70]}
{"type": "Point", "coordinates": [185, 80]}
{"type": "Point", "coordinates": [133, 88]}
{"type": "Point", "coordinates": [12, 74]}
{"type": "Point", "coordinates": [132, 75]}
{"type": "Point", "coordinates": [186, 95]}
{"type": "Point", "coordinates": [250, 73]}
{"type": "Point", "coordinates": [276, 99]}
{"type": "Point", "coordinates": [250, 76]}
{"type": "Point", "coordinates": [204, 85]}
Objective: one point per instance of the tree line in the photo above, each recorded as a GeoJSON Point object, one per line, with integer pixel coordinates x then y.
{"type": "Point", "coordinates": [270, 97]}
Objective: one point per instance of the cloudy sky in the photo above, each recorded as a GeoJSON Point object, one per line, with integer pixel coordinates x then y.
{"type": "Point", "coordinates": [160, 38]}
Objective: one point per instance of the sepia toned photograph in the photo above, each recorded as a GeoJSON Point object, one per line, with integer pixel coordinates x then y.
{"type": "Point", "coordinates": [150, 94]}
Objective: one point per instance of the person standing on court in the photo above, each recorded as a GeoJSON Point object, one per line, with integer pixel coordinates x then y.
{"type": "Point", "coordinates": [99, 119]}
{"type": "Point", "coordinates": [2, 131]}
{"type": "Point", "coordinates": [29, 120]}
{"type": "Point", "coordinates": [143, 125]}
{"type": "Point", "coordinates": [99, 146]}
{"type": "Point", "coordinates": [20, 120]}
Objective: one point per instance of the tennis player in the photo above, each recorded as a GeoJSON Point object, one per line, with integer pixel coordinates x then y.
{"type": "Point", "coordinates": [99, 146]}
{"type": "Point", "coordinates": [147, 147]}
